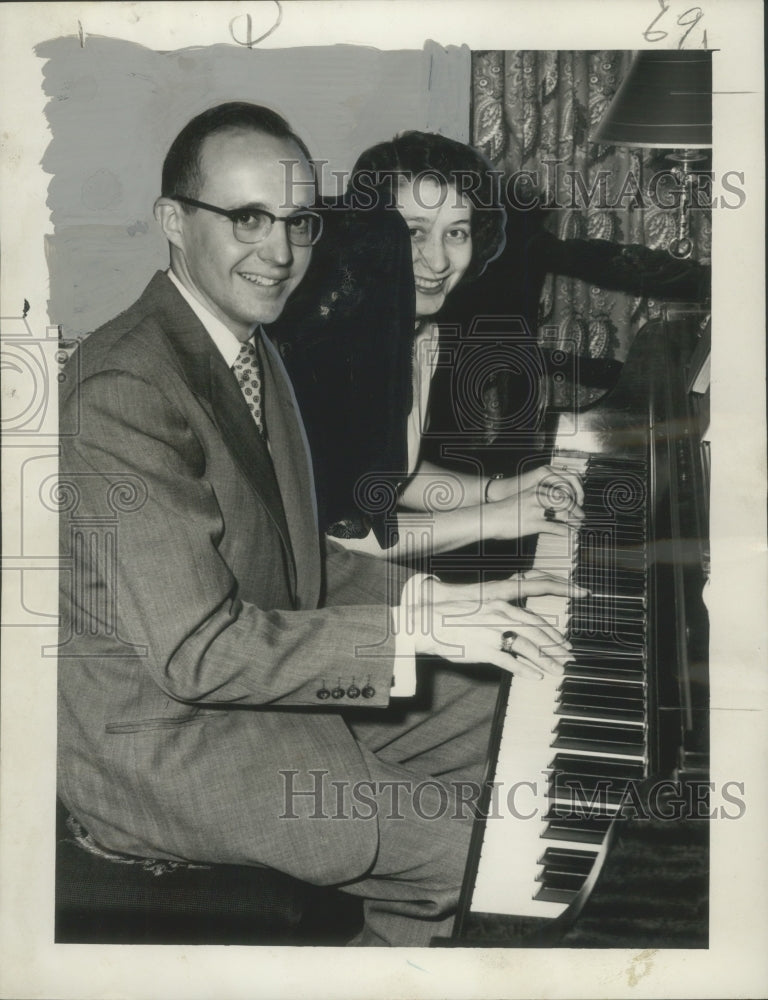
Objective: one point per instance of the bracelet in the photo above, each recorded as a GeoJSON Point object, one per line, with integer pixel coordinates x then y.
{"type": "Point", "coordinates": [491, 479]}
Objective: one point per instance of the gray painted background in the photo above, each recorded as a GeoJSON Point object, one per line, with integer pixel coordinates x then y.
{"type": "Point", "coordinates": [114, 108]}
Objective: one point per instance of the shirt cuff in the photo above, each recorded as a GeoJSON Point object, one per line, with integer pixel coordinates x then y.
{"type": "Point", "coordinates": [403, 622]}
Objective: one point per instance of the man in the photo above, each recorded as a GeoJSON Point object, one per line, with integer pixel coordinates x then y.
{"type": "Point", "coordinates": [212, 658]}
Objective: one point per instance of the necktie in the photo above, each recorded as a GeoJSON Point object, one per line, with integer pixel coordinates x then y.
{"type": "Point", "coordinates": [248, 374]}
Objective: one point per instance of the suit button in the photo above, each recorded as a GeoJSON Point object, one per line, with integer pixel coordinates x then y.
{"type": "Point", "coordinates": [338, 692]}
{"type": "Point", "coordinates": [323, 693]}
{"type": "Point", "coordinates": [353, 692]}
{"type": "Point", "coordinates": [368, 691]}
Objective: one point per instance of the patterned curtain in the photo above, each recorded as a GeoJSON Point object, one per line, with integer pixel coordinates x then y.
{"type": "Point", "coordinates": [533, 112]}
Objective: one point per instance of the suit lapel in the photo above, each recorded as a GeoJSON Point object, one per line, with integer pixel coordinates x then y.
{"type": "Point", "coordinates": [213, 383]}
{"type": "Point", "coordinates": [293, 466]}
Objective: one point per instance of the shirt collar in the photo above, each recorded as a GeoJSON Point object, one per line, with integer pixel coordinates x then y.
{"type": "Point", "coordinates": [221, 335]}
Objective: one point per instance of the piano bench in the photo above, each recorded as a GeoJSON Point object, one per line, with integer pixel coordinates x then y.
{"type": "Point", "coordinates": [141, 901]}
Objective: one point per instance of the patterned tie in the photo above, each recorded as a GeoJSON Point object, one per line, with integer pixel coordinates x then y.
{"type": "Point", "coordinates": [248, 374]}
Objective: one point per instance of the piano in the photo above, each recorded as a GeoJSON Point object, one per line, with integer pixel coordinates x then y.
{"type": "Point", "coordinates": [615, 751]}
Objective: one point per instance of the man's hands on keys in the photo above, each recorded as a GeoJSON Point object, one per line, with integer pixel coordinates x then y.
{"type": "Point", "coordinates": [465, 623]}
{"type": "Point", "coordinates": [546, 499]}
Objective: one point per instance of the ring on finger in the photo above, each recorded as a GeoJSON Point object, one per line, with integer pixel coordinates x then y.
{"type": "Point", "coordinates": [507, 639]}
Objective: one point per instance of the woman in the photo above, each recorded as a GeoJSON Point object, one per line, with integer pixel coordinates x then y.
{"type": "Point", "coordinates": [448, 196]}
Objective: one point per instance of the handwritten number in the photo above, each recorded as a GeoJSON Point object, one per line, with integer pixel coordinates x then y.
{"type": "Point", "coordinates": [657, 36]}
{"type": "Point", "coordinates": [249, 41]}
{"type": "Point", "coordinates": [688, 19]}
{"type": "Point", "coordinates": [698, 13]}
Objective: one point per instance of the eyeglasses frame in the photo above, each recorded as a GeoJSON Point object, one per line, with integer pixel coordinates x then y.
{"type": "Point", "coordinates": [231, 213]}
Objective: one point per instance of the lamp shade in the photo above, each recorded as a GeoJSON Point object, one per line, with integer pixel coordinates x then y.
{"type": "Point", "coordinates": [665, 102]}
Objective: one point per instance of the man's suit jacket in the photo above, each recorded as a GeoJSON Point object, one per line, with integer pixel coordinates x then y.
{"type": "Point", "coordinates": [197, 649]}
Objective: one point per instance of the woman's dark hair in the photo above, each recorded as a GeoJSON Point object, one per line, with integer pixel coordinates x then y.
{"type": "Point", "coordinates": [182, 170]}
{"type": "Point", "coordinates": [416, 154]}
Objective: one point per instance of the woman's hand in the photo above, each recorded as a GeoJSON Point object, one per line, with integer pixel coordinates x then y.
{"type": "Point", "coordinates": [549, 478]}
{"type": "Point", "coordinates": [542, 500]}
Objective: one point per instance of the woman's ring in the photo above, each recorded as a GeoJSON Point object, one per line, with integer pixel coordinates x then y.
{"type": "Point", "coordinates": [507, 638]}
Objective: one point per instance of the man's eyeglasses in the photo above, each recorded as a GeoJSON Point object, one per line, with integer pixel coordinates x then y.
{"type": "Point", "coordinates": [252, 225]}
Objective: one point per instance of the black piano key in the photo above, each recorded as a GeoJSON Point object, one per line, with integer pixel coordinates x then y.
{"type": "Point", "coordinates": [631, 735]}
{"type": "Point", "coordinates": [551, 895]}
{"type": "Point", "coordinates": [601, 581]}
{"type": "Point", "coordinates": [609, 643]}
{"type": "Point", "coordinates": [610, 603]}
{"type": "Point", "coordinates": [619, 632]}
{"type": "Point", "coordinates": [577, 832]}
{"type": "Point", "coordinates": [594, 502]}
{"type": "Point", "coordinates": [604, 737]}
{"type": "Point", "coordinates": [617, 527]}
{"type": "Point", "coordinates": [600, 494]}
{"type": "Point", "coordinates": [554, 879]}
{"type": "Point", "coordinates": [581, 790]}
{"type": "Point", "coordinates": [565, 765]}
{"type": "Point", "coordinates": [604, 702]}
{"type": "Point", "coordinates": [608, 610]}
{"type": "Point", "coordinates": [600, 640]}
{"type": "Point", "coordinates": [604, 577]}
{"type": "Point", "coordinates": [568, 860]}
{"type": "Point", "coordinates": [626, 574]}
{"type": "Point", "coordinates": [604, 647]}
{"type": "Point", "coordinates": [625, 550]}
{"type": "Point", "coordinates": [616, 669]}
{"type": "Point", "coordinates": [625, 631]}
{"type": "Point", "coordinates": [607, 635]}
{"type": "Point", "coordinates": [623, 656]}
{"type": "Point", "coordinates": [575, 686]}
{"type": "Point", "coordinates": [568, 825]}
{"type": "Point", "coordinates": [598, 503]}
{"type": "Point", "coordinates": [609, 607]}
{"type": "Point", "coordinates": [601, 712]}
{"type": "Point", "coordinates": [601, 517]}
{"type": "Point", "coordinates": [634, 625]}
{"type": "Point", "coordinates": [623, 578]}
{"type": "Point", "coordinates": [620, 602]}
{"type": "Point", "coordinates": [611, 700]}
{"type": "Point", "coordinates": [615, 659]}
{"type": "Point", "coordinates": [615, 539]}
{"type": "Point", "coordinates": [601, 708]}
{"type": "Point", "coordinates": [614, 463]}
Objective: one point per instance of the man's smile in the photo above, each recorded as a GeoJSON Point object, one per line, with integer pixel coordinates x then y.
{"type": "Point", "coordinates": [260, 279]}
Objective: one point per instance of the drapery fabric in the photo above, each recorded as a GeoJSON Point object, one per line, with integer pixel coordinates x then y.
{"type": "Point", "coordinates": [532, 115]}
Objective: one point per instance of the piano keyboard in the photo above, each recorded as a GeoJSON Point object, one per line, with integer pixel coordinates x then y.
{"type": "Point", "coordinates": [571, 745]}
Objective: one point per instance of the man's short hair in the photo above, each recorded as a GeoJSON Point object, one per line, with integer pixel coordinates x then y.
{"type": "Point", "coordinates": [182, 169]}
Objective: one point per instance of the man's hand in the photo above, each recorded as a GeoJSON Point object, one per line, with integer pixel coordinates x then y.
{"type": "Point", "coordinates": [465, 623]}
